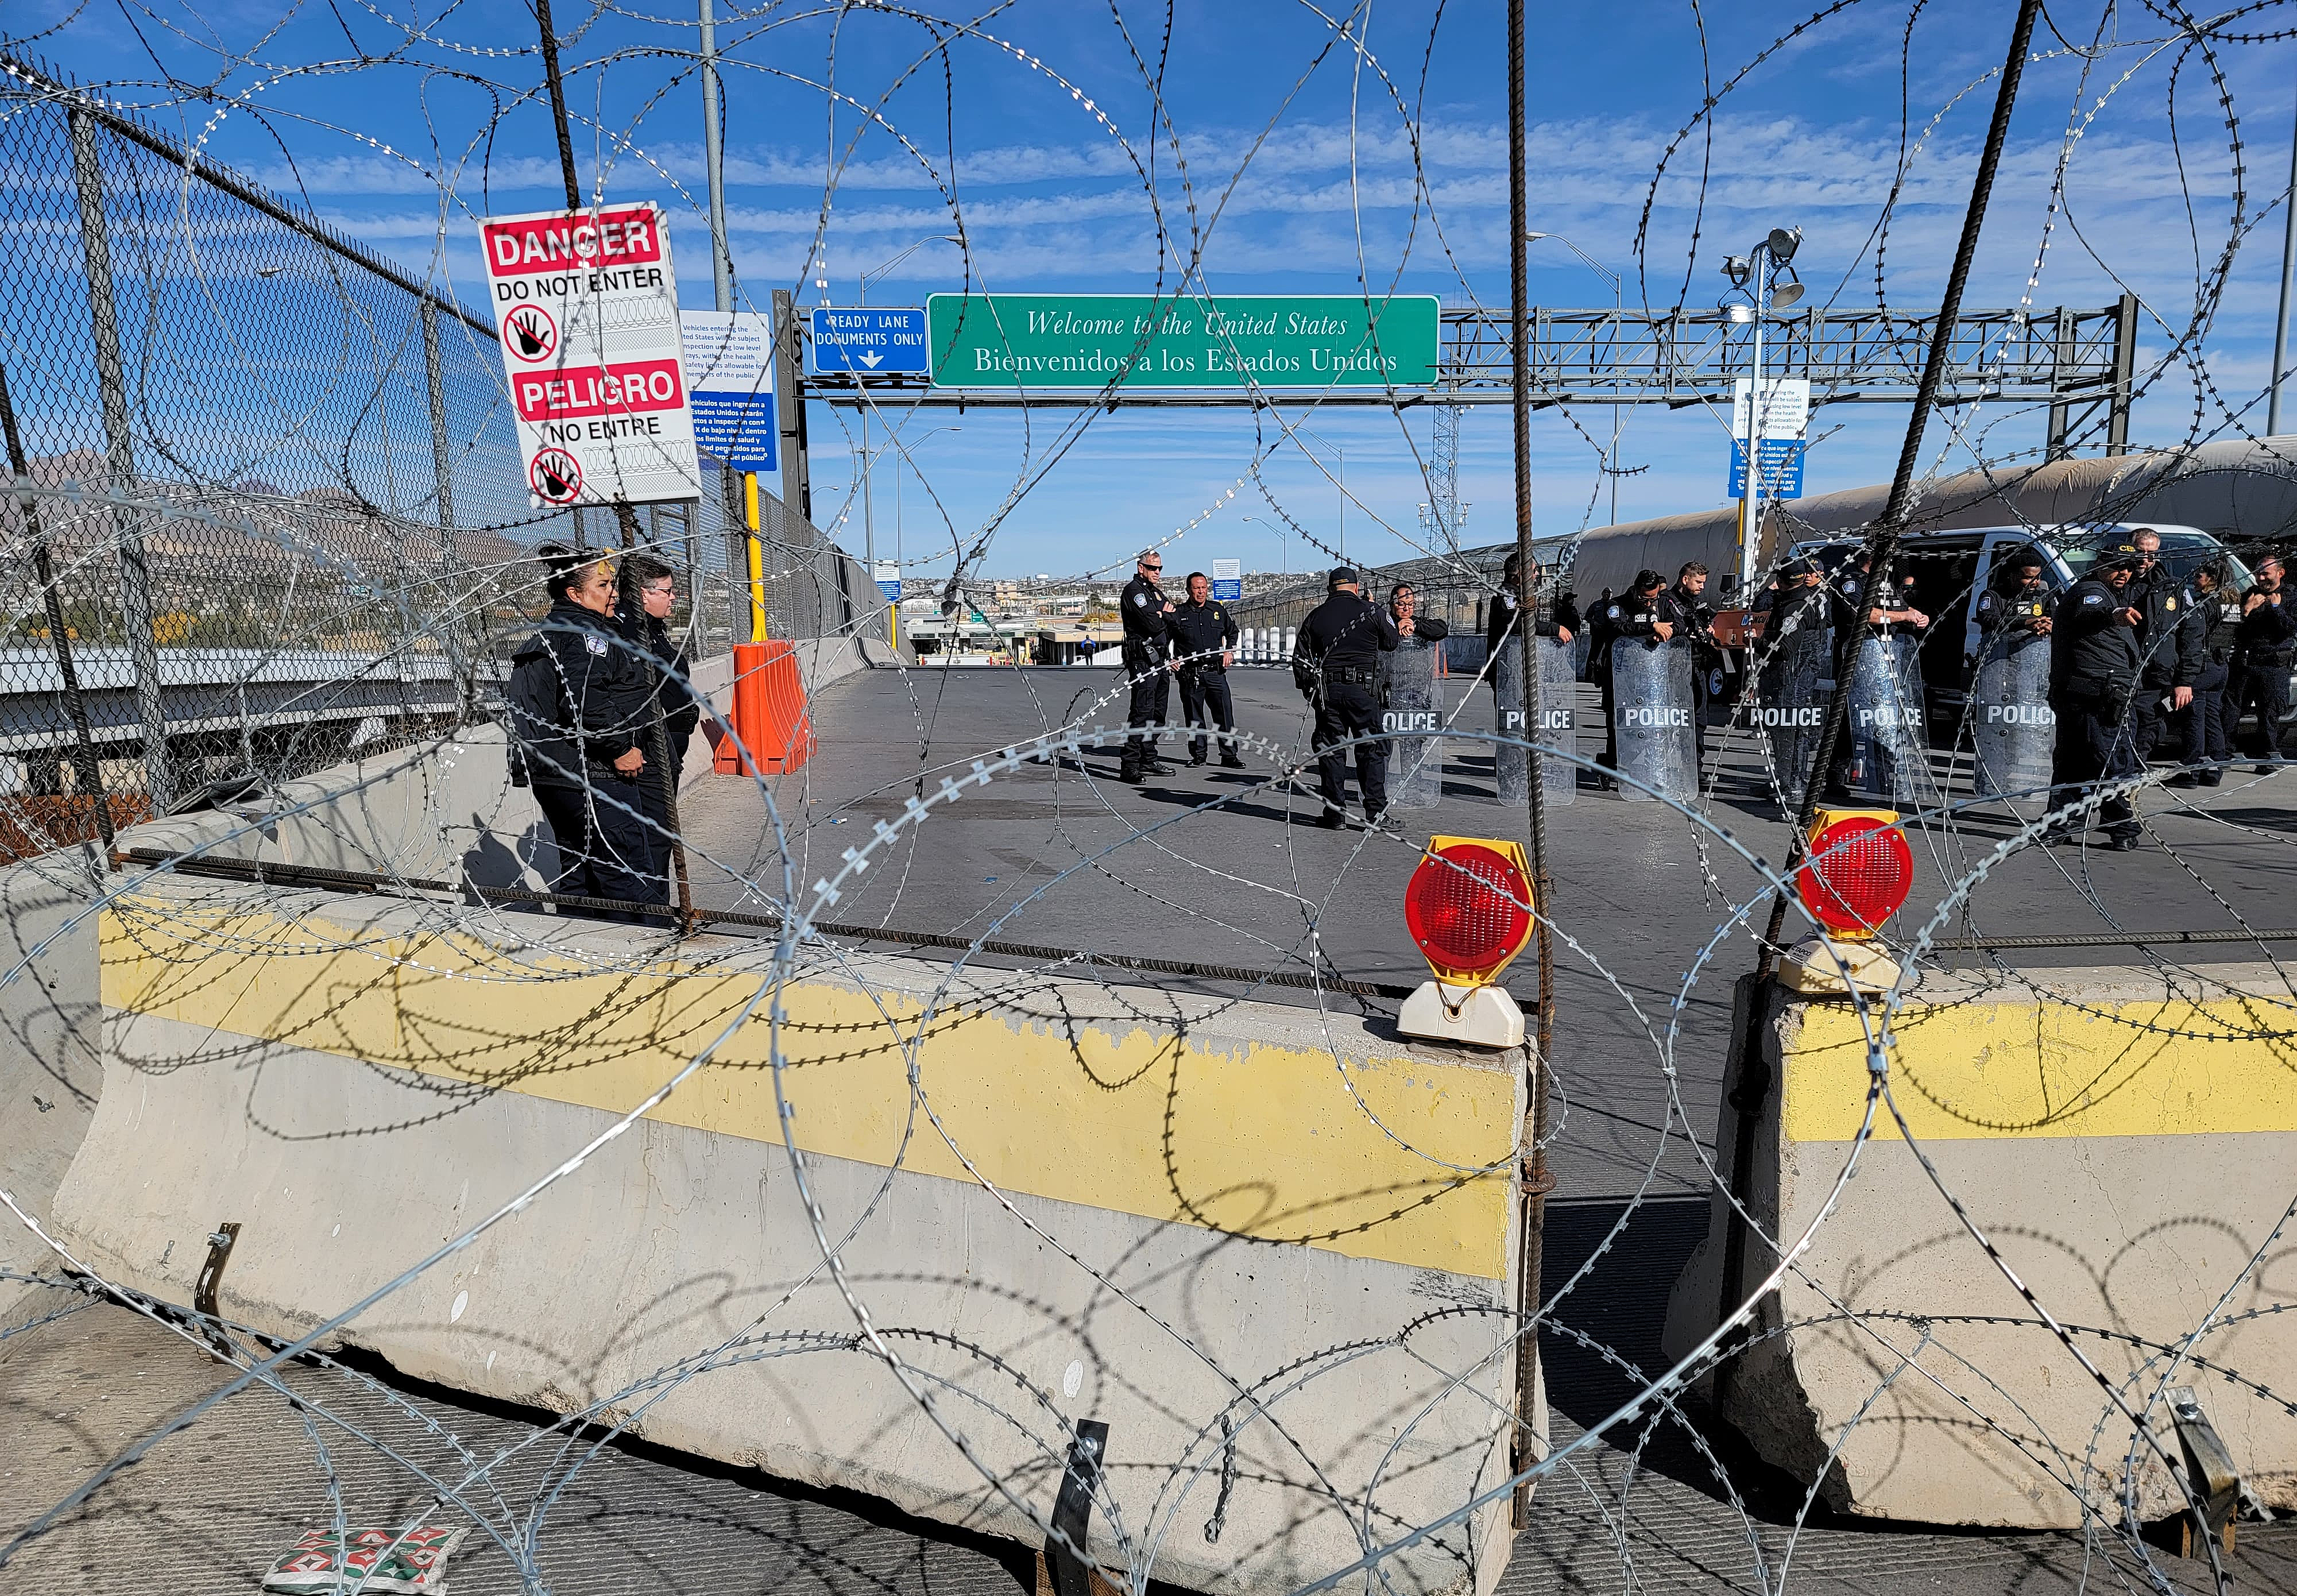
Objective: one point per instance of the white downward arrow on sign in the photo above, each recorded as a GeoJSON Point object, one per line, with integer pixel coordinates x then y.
{"type": "Point", "coordinates": [871, 360]}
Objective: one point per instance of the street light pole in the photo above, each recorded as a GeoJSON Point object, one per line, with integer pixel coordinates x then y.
{"type": "Point", "coordinates": [1750, 480]}
{"type": "Point", "coordinates": [2281, 318]}
{"type": "Point", "coordinates": [714, 156]}
{"type": "Point", "coordinates": [1283, 558]}
{"type": "Point", "coordinates": [1759, 267]}
{"type": "Point", "coordinates": [869, 497]}
{"type": "Point", "coordinates": [1618, 305]}
{"type": "Point", "coordinates": [1341, 536]}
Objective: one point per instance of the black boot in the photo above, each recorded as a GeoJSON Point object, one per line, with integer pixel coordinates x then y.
{"type": "Point", "coordinates": [1230, 761]}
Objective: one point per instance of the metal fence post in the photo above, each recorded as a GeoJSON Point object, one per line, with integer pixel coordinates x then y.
{"type": "Point", "coordinates": [442, 470]}
{"type": "Point", "coordinates": [120, 454]}
{"type": "Point", "coordinates": [2125, 375]}
{"type": "Point", "coordinates": [88, 773]}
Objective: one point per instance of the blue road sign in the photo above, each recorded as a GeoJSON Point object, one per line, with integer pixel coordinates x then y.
{"type": "Point", "coordinates": [1228, 580]}
{"type": "Point", "coordinates": [730, 379]}
{"type": "Point", "coordinates": [868, 343]}
{"type": "Point", "coordinates": [1780, 460]}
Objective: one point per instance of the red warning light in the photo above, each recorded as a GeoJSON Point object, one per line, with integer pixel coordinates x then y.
{"type": "Point", "coordinates": [1858, 874]}
{"type": "Point", "coordinates": [1467, 908]}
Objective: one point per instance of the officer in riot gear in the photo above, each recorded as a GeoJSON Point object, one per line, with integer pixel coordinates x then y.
{"type": "Point", "coordinates": [2017, 602]}
{"type": "Point", "coordinates": [1203, 642]}
{"type": "Point", "coordinates": [1558, 616]}
{"type": "Point", "coordinates": [1689, 595]}
{"type": "Point", "coordinates": [1148, 617]}
{"type": "Point", "coordinates": [2208, 731]}
{"type": "Point", "coordinates": [2259, 676]}
{"type": "Point", "coordinates": [1336, 662]}
{"type": "Point", "coordinates": [2095, 665]}
{"type": "Point", "coordinates": [1645, 617]}
{"type": "Point", "coordinates": [1888, 616]}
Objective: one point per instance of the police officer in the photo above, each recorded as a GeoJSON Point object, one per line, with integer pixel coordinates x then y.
{"type": "Point", "coordinates": [1204, 639]}
{"type": "Point", "coordinates": [578, 710]}
{"type": "Point", "coordinates": [1148, 665]}
{"type": "Point", "coordinates": [2017, 602]}
{"type": "Point", "coordinates": [1689, 595]}
{"type": "Point", "coordinates": [1646, 617]}
{"type": "Point", "coordinates": [2169, 643]}
{"type": "Point", "coordinates": [2259, 676]}
{"type": "Point", "coordinates": [1558, 616]}
{"type": "Point", "coordinates": [2095, 665]}
{"type": "Point", "coordinates": [1335, 662]}
{"type": "Point", "coordinates": [2208, 738]}
{"type": "Point", "coordinates": [648, 593]}
{"type": "Point", "coordinates": [1796, 602]}
{"type": "Point", "coordinates": [1887, 617]}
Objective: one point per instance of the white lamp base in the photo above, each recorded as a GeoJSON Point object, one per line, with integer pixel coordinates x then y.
{"type": "Point", "coordinates": [1811, 966]}
{"type": "Point", "coordinates": [1481, 1016]}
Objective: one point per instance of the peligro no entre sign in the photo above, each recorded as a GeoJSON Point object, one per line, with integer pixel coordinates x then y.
{"type": "Point", "coordinates": [586, 307]}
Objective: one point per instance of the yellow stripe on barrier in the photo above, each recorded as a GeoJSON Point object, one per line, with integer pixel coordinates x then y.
{"type": "Point", "coordinates": [1253, 1138]}
{"type": "Point", "coordinates": [1984, 1069]}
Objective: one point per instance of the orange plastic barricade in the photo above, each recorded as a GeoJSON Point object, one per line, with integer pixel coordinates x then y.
{"type": "Point", "coordinates": [769, 716]}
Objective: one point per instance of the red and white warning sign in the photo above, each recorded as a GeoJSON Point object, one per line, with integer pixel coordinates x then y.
{"type": "Point", "coordinates": [586, 305]}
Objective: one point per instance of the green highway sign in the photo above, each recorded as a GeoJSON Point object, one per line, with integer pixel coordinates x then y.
{"type": "Point", "coordinates": [1139, 340]}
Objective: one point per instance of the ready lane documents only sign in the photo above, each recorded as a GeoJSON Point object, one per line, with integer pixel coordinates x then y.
{"type": "Point", "coordinates": [1137, 341]}
{"type": "Point", "coordinates": [586, 305]}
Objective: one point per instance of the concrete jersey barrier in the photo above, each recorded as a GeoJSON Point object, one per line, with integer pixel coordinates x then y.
{"type": "Point", "coordinates": [2130, 1153]}
{"type": "Point", "coordinates": [1052, 1207]}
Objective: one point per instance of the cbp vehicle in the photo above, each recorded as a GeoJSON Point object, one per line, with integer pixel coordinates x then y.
{"type": "Point", "coordinates": [1951, 569]}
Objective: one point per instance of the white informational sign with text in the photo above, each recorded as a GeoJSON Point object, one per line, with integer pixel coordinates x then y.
{"type": "Point", "coordinates": [1786, 407]}
{"type": "Point", "coordinates": [586, 305]}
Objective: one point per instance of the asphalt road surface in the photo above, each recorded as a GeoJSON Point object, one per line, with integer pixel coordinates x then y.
{"type": "Point", "coordinates": [1219, 868]}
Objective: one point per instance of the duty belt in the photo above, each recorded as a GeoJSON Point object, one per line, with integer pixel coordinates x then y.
{"type": "Point", "coordinates": [1359, 676]}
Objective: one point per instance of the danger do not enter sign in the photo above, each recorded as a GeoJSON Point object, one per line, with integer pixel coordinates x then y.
{"type": "Point", "coordinates": [586, 308]}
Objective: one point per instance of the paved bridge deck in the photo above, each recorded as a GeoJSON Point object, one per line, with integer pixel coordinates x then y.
{"type": "Point", "coordinates": [1636, 887]}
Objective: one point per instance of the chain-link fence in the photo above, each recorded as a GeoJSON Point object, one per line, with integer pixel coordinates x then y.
{"type": "Point", "coordinates": [269, 509]}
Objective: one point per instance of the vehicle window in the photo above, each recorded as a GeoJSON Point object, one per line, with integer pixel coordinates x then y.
{"type": "Point", "coordinates": [2182, 554]}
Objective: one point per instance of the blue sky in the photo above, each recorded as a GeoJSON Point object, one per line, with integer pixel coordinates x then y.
{"type": "Point", "coordinates": [1079, 146]}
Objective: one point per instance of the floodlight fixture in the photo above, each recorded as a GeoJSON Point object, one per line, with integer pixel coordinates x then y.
{"type": "Point", "coordinates": [1738, 268]}
{"type": "Point", "coordinates": [1783, 242]}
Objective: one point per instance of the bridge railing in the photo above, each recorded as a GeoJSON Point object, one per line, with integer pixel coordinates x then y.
{"type": "Point", "coordinates": [270, 508]}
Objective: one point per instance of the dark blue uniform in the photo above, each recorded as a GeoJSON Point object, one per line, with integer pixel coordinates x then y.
{"type": "Point", "coordinates": [2021, 613]}
{"type": "Point", "coordinates": [2094, 671]}
{"type": "Point", "coordinates": [1336, 660]}
{"type": "Point", "coordinates": [2259, 676]}
{"type": "Point", "coordinates": [579, 701]}
{"type": "Point", "coordinates": [1633, 620]}
{"type": "Point", "coordinates": [1203, 635]}
{"type": "Point", "coordinates": [2169, 650]}
{"type": "Point", "coordinates": [2208, 728]}
{"type": "Point", "coordinates": [660, 661]}
{"type": "Point", "coordinates": [1146, 646]}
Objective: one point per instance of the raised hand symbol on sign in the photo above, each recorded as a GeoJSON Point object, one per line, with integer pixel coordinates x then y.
{"type": "Point", "coordinates": [531, 333]}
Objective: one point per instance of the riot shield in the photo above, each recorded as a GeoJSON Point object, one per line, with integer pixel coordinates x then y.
{"type": "Point", "coordinates": [1559, 720]}
{"type": "Point", "coordinates": [1559, 728]}
{"type": "Point", "coordinates": [1890, 744]}
{"type": "Point", "coordinates": [1650, 715]}
{"type": "Point", "coordinates": [2012, 728]}
{"type": "Point", "coordinates": [1792, 690]}
{"type": "Point", "coordinates": [1413, 715]}
{"type": "Point", "coordinates": [1511, 764]}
